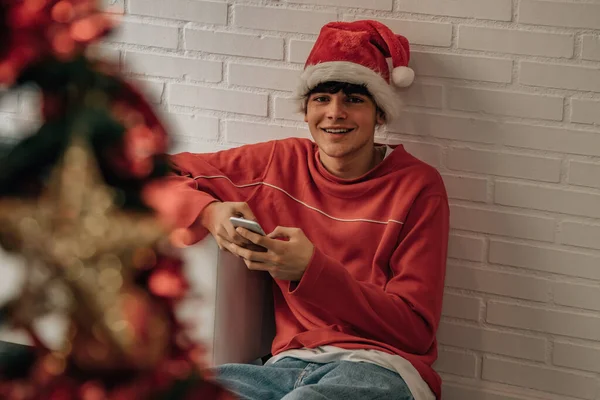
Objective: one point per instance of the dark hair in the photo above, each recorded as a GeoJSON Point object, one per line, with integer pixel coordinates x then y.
{"type": "Point", "coordinates": [333, 87]}
{"type": "Point", "coordinates": [348, 89]}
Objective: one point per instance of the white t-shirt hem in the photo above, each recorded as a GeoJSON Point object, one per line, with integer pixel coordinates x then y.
{"type": "Point", "coordinates": [324, 354]}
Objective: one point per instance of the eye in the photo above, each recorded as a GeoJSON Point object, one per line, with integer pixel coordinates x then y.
{"type": "Point", "coordinates": [320, 99]}
{"type": "Point", "coordinates": [355, 99]}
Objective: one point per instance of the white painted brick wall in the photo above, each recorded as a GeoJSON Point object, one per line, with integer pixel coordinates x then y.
{"type": "Point", "coordinates": [585, 111]}
{"type": "Point", "coordinates": [561, 76]}
{"type": "Point", "coordinates": [492, 341]}
{"type": "Point", "coordinates": [546, 259]}
{"type": "Point", "coordinates": [457, 363]}
{"type": "Point", "coordinates": [504, 164]}
{"type": "Point", "coordinates": [498, 282]}
{"type": "Point", "coordinates": [184, 10]}
{"type": "Point", "coordinates": [515, 41]}
{"type": "Point", "coordinates": [499, 10]}
{"type": "Point", "coordinates": [172, 67]}
{"type": "Point", "coordinates": [591, 48]}
{"type": "Point", "coordinates": [475, 68]}
{"type": "Point", "coordinates": [234, 44]}
{"type": "Point", "coordinates": [554, 13]}
{"type": "Point", "coordinates": [263, 77]}
{"type": "Point", "coordinates": [506, 105]}
{"type": "Point", "coordinates": [466, 187]}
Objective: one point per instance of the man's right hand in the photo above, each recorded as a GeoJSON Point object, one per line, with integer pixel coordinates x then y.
{"type": "Point", "coordinates": [215, 218]}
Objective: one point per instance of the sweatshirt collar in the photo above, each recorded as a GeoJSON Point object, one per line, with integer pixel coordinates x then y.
{"type": "Point", "coordinates": [355, 187]}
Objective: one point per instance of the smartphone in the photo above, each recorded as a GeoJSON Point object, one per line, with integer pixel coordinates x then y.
{"type": "Point", "coordinates": [246, 223]}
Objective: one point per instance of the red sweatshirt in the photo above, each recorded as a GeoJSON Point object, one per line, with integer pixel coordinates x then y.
{"type": "Point", "coordinates": [376, 277]}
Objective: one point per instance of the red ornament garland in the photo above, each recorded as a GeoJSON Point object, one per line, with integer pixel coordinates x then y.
{"type": "Point", "coordinates": [34, 29]}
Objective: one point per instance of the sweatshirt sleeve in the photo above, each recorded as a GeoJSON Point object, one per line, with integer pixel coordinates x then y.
{"type": "Point", "coordinates": [200, 179]}
{"type": "Point", "coordinates": [407, 311]}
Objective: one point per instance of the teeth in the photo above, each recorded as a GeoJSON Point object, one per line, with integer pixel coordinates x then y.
{"type": "Point", "coordinates": [337, 130]}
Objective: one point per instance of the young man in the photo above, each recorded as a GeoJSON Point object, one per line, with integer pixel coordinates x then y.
{"type": "Point", "coordinates": [357, 232]}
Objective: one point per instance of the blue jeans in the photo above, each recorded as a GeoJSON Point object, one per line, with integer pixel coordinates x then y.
{"type": "Point", "coordinates": [293, 379]}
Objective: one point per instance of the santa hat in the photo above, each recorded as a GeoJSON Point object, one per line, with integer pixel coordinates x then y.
{"type": "Point", "coordinates": [357, 52]}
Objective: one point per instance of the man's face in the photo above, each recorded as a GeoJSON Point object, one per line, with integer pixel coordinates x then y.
{"type": "Point", "coordinates": [343, 126]}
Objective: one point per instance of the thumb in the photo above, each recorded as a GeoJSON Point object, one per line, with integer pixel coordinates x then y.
{"type": "Point", "coordinates": [281, 232]}
{"type": "Point", "coordinates": [244, 210]}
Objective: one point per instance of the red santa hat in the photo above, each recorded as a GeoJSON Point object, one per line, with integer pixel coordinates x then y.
{"type": "Point", "coordinates": [357, 52]}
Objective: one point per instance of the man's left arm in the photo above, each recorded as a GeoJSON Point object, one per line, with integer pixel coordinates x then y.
{"type": "Point", "coordinates": [405, 313]}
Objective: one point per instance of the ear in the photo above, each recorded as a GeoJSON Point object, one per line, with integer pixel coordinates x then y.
{"type": "Point", "coordinates": [380, 118]}
{"type": "Point", "coordinates": [305, 117]}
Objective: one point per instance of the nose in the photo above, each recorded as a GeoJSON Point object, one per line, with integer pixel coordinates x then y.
{"type": "Point", "coordinates": [336, 108]}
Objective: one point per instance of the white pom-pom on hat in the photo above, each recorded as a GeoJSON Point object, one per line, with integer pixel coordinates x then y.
{"type": "Point", "coordinates": [403, 76]}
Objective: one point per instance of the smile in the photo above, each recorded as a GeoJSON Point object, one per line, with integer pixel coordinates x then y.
{"type": "Point", "coordinates": [337, 130]}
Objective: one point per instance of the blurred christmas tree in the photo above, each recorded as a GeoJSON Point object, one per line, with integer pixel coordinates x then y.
{"type": "Point", "coordinates": [70, 204]}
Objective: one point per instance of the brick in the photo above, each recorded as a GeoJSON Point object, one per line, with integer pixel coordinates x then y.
{"type": "Point", "coordinates": [465, 187]}
{"type": "Point", "coordinates": [146, 35]}
{"type": "Point", "coordinates": [466, 247]}
{"type": "Point", "coordinates": [515, 104]}
{"type": "Point", "coordinates": [173, 67]}
{"type": "Point", "coordinates": [152, 90]}
{"type": "Point", "coordinates": [591, 48]}
{"type": "Point", "coordinates": [194, 126]}
{"type": "Point", "coordinates": [299, 50]}
{"type": "Point", "coordinates": [504, 164]}
{"type": "Point", "coordinates": [276, 19]}
{"type": "Point", "coordinates": [417, 32]}
{"type": "Point", "coordinates": [464, 307]}
{"type": "Point", "coordinates": [560, 76]}
{"type": "Point", "coordinates": [500, 283]}
{"type": "Point", "coordinates": [288, 108]}
{"type": "Point", "coordinates": [546, 138]}
{"type": "Point", "coordinates": [492, 341]}
{"type": "Point", "coordinates": [584, 174]}
{"type": "Point", "coordinates": [263, 77]}
{"type": "Point", "coordinates": [581, 235]}
{"type": "Point", "coordinates": [515, 41]}
{"type": "Point", "coordinates": [454, 392]}
{"type": "Point", "coordinates": [500, 10]}
{"type": "Point", "coordinates": [234, 44]}
{"type": "Point", "coordinates": [456, 363]}
{"type": "Point", "coordinates": [580, 296]}
{"type": "Point", "coordinates": [218, 99]}
{"type": "Point", "coordinates": [576, 356]}
{"type": "Point", "coordinates": [423, 95]}
{"type": "Point", "coordinates": [547, 199]}
{"type": "Point", "coordinates": [585, 111]}
{"type": "Point", "coordinates": [384, 5]}
{"type": "Point", "coordinates": [556, 261]}
{"type": "Point", "coordinates": [207, 12]}
{"type": "Point", "coordinates": [539, 377]}
{"type": "Point", "coordinates": [248, 132]}
{"type": "Point", "coordinates": [462, 67]}
{"type": "Point", "coordinates": [555, 13]}
{"type": "Point", "coordinates": [502, 223]}
{"type": "Point", "coordinates": [429, 153]}
{"type": "Point", "coordinates": [183, 144]}
{"type": "Point", "coordinates": [583, 326]}
{"type": "Point", "coordinates": [113, 6]}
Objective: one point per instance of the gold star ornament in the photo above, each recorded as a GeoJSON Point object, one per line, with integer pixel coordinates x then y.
{"type": "Point", "coordinates": [77, 239]}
